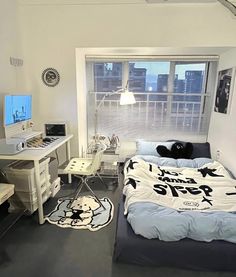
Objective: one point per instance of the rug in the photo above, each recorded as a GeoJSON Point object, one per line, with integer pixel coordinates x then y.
{"type": "Point", "coordinates": [84, 213]}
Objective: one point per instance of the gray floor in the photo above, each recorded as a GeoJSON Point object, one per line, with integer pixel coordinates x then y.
{"type": "Point", "coordinates": [29, 249]}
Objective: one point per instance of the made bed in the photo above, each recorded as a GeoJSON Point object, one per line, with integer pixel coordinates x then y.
{"type": "Point", "coordinates": [181, 237]}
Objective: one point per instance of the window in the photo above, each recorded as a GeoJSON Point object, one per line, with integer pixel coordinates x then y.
{"type": "Point", "coordinates": [171, 98]}
{"type": "Point", "coordinates": [107, 76]}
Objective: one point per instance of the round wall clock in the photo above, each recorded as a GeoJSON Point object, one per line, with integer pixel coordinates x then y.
{"type": "Point", "coordinates": [50, 77]}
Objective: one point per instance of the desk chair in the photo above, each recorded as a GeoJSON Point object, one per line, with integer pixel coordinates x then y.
{"type": "Point", "coordinates": [85, 168]}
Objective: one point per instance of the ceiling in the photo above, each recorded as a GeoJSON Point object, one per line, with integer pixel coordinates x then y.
{"type": "Point", "coordinates": [180, 1]}
{"type": "Point", "coordinates": [229, 4]}
{"type": "Point", "coordinates": [97, 2]}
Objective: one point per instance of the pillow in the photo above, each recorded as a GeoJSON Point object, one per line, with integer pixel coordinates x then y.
{"type": "Point", "coordinates": [201, 150]}
{"type": "Point", "coordinates": [202, 161]}
{"type": "Point", "coordinates": [144, 147]}
{"type": "Point", "coordinates": [196, 163]}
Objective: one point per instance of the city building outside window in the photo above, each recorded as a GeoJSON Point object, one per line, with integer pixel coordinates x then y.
{"type": "Point", "coordinates": [171, 98]}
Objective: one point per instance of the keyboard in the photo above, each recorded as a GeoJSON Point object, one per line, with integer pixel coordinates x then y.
{"type": "Point", "coordinates": [39, 143]}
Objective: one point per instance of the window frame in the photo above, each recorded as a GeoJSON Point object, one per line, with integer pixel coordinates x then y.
{"type": "Point", "coordinates": [121, 54]}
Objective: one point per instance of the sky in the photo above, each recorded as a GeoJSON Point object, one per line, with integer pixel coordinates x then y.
{"type": "Point", "coordinates": [155, 68]}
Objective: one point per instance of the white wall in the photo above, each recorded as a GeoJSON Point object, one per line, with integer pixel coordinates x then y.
{"type": "Point", "coordinates": [8, 45]}
{"type": "Point", "coordinates": [10, 81]}
{"type": "Point", "coordinates": [222, 132]}
{"type": "Point", "coordinates": [50, 34]}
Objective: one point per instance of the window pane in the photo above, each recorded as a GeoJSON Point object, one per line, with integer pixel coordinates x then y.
{"type": "Point", "coordinates": [187, 103]}
{"type": "Point", "coordinates": [107, 76]}
{"type": "Point", "coordinates": [148, 76]}
{"type": "Point", "coordinates": [170, 99]}
{"type": "Point", "coordinates": [189, 78]}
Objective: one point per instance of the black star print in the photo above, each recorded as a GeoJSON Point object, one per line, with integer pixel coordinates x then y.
{"type": "Point", "coordinates": [132, 182]}
{"type": "Point", "coordinates": [230, 193]}
{"type": "Point", "coordinates": [131, 165]}
{"type": "Point", "coordinates": [207, 200]}
{"type": "Point", "coordinates": [208, 171]}
{"type": "Point", "coordinates": [76, 215]}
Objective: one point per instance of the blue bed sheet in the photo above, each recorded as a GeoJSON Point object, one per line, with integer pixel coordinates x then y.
{"type": "Point", "coordinates": [153, 221]}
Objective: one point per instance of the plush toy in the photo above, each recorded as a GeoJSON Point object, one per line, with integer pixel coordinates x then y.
{"type": "Point", "coordinates": [178, 150]}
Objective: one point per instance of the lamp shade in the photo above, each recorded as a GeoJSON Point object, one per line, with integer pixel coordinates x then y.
{"type": "Point", "coordinates": [127, 98]}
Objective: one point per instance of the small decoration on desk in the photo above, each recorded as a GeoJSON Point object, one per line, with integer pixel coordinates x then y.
{"type": "Point", "coordinates": [101, 138]}
{"type": "Point", "coordinates": [114, 141]}
{"type": "Point", "coordinates": [96, 141]}
{"type": "Point", "coordinates": [50, 77]}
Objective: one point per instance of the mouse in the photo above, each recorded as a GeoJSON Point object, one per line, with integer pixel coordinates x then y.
{"type": "Point", "coordinates": [47, 140]}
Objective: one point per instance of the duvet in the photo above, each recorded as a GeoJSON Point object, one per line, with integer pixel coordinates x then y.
{"type": "Point", "coordinates": [171, 203]}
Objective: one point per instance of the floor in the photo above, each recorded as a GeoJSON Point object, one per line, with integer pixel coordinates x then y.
{"type": "Point", "coordinates": [29, 249]}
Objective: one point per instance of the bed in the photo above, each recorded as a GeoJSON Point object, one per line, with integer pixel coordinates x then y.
{"type": "Point", "coordinates": [211, 254]}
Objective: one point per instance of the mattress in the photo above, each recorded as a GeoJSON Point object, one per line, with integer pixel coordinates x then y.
{"type": "Point", "coordinates": [217, 255]}
{"type": "Point", "coordinates": [186, 253]}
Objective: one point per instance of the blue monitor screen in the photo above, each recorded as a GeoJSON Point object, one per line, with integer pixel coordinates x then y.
{"type": "Point", "coordinates": [17, 108]}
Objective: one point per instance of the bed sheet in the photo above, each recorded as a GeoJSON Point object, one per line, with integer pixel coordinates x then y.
{"type": "Point", "coordinates": [186, 253]}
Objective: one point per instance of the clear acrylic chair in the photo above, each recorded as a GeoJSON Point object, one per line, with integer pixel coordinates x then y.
{"type": "Point", "coordinates": [85, 168]}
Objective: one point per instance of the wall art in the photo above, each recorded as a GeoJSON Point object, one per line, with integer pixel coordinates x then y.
{"type": "Point", "coordinates": [224, 90]}
{"type": "Point", "coordinates": [50, 77]}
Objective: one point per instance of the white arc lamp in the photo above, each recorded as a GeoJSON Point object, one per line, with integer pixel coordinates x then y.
{"type": "Point", "coordinates": [126, 98]}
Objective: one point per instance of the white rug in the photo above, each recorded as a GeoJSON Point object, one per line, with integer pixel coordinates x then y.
{"type": "Point", "coordinates": [84, 213]}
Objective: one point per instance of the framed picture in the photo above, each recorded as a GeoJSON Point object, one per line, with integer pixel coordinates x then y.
{"type": "Point", "coordinates": [224, 90]}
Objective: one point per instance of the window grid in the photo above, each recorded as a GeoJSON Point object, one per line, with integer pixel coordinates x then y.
{"type": "Point", "coordinates": [155, 114]}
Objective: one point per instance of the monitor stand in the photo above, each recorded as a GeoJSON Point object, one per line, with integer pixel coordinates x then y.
{"type": "Point", "coordinates": [26, 135]}
{"type": "Point", "coordinates": [21, 130]}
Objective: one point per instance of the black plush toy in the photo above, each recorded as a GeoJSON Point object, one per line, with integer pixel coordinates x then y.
{"type": "Point", "coordinates": [178, 150]}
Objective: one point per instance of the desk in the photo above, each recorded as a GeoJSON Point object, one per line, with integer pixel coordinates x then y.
{"type": "Point", "coordinates": [36, 156]}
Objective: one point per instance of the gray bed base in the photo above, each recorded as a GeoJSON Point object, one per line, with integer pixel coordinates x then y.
{"type": "Point", "coordinates": [186, 253]}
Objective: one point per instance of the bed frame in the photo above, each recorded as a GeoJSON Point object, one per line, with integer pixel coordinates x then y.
{"type": "Point", "coordinates": [186, 253]}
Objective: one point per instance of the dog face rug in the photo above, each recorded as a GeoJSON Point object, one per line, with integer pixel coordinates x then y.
{"type": "Point", "coordinates": [84, 213]}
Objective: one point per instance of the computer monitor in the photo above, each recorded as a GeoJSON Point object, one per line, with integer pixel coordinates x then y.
{"type": "Point", "coordinates": [17, 108]}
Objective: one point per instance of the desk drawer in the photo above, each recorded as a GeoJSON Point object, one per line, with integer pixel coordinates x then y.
{"type": "Point", "coordinates": [16, 206]}
{"type": "Point", "coordinates": [22, 175]}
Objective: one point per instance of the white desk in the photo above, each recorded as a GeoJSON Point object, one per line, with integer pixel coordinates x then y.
{"type": "Point", "coordinates": [36, 156]}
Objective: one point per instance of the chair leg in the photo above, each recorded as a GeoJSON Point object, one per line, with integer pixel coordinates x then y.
{"type": "Point", "coordinates": [99, 176]}
{"type": "Point", "coordinates": [88, 187]}
{"type": "Point", "coordinates": [78, 190]}
{"type": "Point", "coordinates": [84, 182]}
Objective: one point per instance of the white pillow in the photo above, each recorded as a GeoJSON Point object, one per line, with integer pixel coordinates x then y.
{"type": "Point", "coordinates": [144, 147]}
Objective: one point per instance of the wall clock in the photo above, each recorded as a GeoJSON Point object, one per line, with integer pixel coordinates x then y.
{"type": "Point", "coordinates": [50, 77]}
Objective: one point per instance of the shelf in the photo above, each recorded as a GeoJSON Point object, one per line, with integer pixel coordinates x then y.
{"type": "Point", "coordinates": [6, 191]}
{"type": "Point", "coordinates": [109, 169]}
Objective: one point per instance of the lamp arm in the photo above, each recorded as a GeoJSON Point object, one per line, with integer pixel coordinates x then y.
{"type": "Point", "coordinates": [101, 102]}
{"type": "Point", "coordinates": [99, 105]}
{"type": "Point", "coordinates": [106, 95]}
